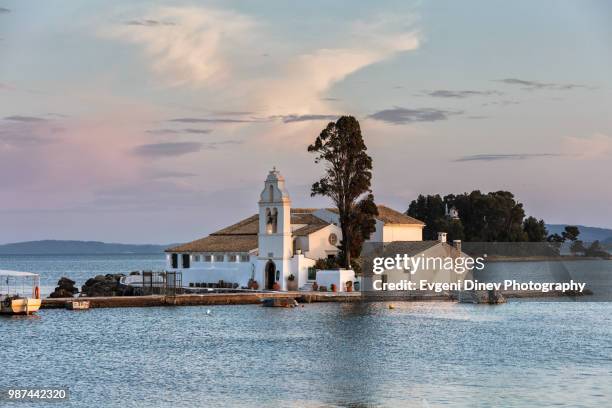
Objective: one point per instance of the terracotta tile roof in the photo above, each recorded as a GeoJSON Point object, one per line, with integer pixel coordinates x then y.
{"type": "Point", "coordinates": [410, 248]}
{"type": "Point", "coordinates": [248, 226]}
{"type": "Point", "coordinates": [391, 216]}
{"type": "Point", "coordinates": [312, 224]}
{"type": "Point", "coordinates": [219, 243]}
{"type": "Point", "coordinates": [242, 236]}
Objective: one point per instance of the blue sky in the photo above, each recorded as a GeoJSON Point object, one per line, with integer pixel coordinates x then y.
{"type": "Point", "coordinates": [158, 121]}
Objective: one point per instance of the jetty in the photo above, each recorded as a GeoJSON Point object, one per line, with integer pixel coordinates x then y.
{"type": "Point", "coordinates": [203, 299]}
{"type": "Point", "coordinates": [253, 298]}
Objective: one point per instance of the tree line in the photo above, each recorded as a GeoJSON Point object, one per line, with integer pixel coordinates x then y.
{"type": "Point", "coordinates": [492, 217]}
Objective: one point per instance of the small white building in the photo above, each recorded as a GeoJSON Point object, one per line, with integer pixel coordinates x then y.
{"type": "Point", "coordinates": [277, 242]}
{"type": "Point", "coordinates": [434, 267]}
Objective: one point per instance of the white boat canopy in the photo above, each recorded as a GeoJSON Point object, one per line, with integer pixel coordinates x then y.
{"type": "Point", "coordinates": [4, 272]}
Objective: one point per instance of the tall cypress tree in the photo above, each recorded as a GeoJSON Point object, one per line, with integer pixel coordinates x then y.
{"type": "Point", "coordinates": [347, 181]}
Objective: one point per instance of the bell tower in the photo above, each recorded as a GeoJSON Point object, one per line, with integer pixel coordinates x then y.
{"type": "Point", "coordinates": [274, 237]}
{"type": "Point", "coordinates": [274, 218]}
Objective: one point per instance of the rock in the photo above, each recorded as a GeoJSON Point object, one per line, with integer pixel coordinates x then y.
{"type": "Point", "coordinates": [65, 288]}
{"type": "Point", "coordinates": [106, 285]}
{"type": "Point", "coordinates": [495, 297]}
{"type": "Point", "coordinates": [491, 297]}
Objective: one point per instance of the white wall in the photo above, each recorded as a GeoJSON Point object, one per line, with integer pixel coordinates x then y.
{"type": "Point", "coordinates": [402, 232]}
{"type": "Point", "coordinates": [318, 242]}
{"type": "Point", "coordinates": [299, 267]}
{"type": "Point", "coordinates": [212, 272]}
{"type": "Point", "coordinates": [383, 233]}
{"type": "Point", "coordinates": [432, 274]}
{"type": "Point", "coordinates": [337, 277]}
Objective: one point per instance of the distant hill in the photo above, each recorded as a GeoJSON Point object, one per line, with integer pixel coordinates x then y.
{"type": "Point", "coordinates": [56, 247]}
{"type": "Point", "coordinates": [587, 234]}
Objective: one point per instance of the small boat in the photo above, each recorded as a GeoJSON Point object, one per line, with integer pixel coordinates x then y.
{"type": "Point", "coordinates": [77, 305]}
{"type": "Point", "coordinates": [19, 292]}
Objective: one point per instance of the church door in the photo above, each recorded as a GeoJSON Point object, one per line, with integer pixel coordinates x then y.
{"type": "Point", "coordinates": [270, 274]}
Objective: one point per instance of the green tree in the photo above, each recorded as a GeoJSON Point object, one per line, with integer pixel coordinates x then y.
{"type": "Point", "coordinates": [556, 238]}
{"type": "Point", "coordinates": [432, 211]}
{"type": "Point", "coordinates": [494, 216]}
{"type": "Point", "coordinates": [535, 230]}
{"type": "Point", "coordinates": [570, 233]}
{"type": "Point", "coordinates": [596, 250]}
{"type": "Point", "coordinates": [347, 181]}
{"type": "Point", "coordinates": [577, 247]}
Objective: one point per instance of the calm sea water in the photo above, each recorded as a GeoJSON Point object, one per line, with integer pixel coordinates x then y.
{"type": "Point", "coordinates": [339, 355]}
{"type": "Point", "coordinates": [79, 267]}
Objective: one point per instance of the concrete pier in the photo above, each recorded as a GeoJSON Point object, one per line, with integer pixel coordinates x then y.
{"type": "Point", "coordinates": [246, 298]}
{"type": "Point", "coordinates": [203, 299]}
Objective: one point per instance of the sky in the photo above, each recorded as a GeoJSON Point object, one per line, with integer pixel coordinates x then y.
{"type": "Point", "coordinates": [157, 121]}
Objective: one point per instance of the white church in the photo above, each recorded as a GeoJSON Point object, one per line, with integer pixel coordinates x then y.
{"type": "Point", "coordinates": [279, 244]}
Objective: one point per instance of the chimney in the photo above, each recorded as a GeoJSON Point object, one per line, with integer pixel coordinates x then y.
{"type": "Point", "coordinates": [442, 237]}
{"type": "Point", "coordinates": [457, 245]}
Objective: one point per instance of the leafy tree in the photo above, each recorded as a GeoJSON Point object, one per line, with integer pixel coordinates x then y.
{"type": "Point", "coordinates": [556, 238]}
{"type": "Point", "coordinates": [347, 181]}
{"type": "Point", "coordinates": [503, 218]}
{"type": "Point", "coordinates": [596, 250]}
{"type": "Point", "coordinates": [326, 263]}
{"type": "Point", "coordinates": [577, 247]}
{"type": "Point", "coordinates": [570, 233]}
{"type": "Point", "coordinates": [494, 216]}
{"type": "Point", "coordinates": [364, 222]}
{"type": "Point", "coordinates": [535, 230]}
{"type": "Point", "coordinates": [431, 210]}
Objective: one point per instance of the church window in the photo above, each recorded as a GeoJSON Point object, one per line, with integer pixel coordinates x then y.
{"type": "Point", "coordinates": [269, 222]}
{"type": "Point", "coordinates": [207, 258]}
{"type": "Point", "coordinates": [333, 239]}
{"type": "Point", "coordinates": [244, 258]}
{"type": "Point", "coordinates": [219, 258]}
{"type": "Point", "coordinates": [274, 221]}
{"type": "Point", "coordinates": [231, 258]}
{"type": "Point", "coordinates": [271, 193]}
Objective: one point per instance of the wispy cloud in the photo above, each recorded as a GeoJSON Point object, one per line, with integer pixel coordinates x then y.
{"type": "Point", "coordinates": [21, 118]}
{"type": "Point", "coordinates": [149, 23]}
{"type": "Point", "coordinates": [445, 93]}
{"type": "Point", "coordinates": [232, 113]}
{"type": "Point", "coordinates": [4, 10]}
{"type": "Point", "coordinates": [173, 149]}
{"type": "Point", "coordinates": [23, 139]}
{"type": "Point", "coordinates": [27, 133]}
{"type": "Point", "coordinates": [157, 175]}
{"type": "Point", "coordinates": [305, 118]}
{"type": "Point", "coordinates": [194, 49]}
{"type": "Point", "coordinates": [400, 116]}
{"type": "Point", "coordinates": [179, 131]}
{"type": "Point", "coordinates": [167, 149]}
{"type": "Point", "coordinates": [497, 157]}
{"type": "Point", "coordinates": [596, 146]}
{"type": "Point", "coordinates": [536, 85]}
{"type": "Point", "coordinates": [210, 120]}
{"type": "Point", "coordinates": [200, 50]}
{"type": "Point", "coordinates": [215, 145]}
{"type": "Point", "coordinates": [501, 103]}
